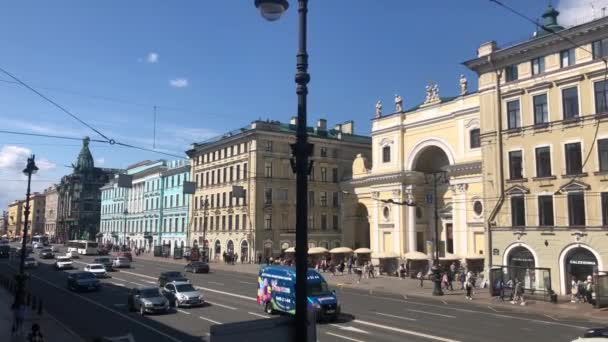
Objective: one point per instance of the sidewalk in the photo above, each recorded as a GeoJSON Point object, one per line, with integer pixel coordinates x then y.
{"type": "Point", "coordinates": [51, 329]}
{"type": "Point", "coordinates": [410, 288]}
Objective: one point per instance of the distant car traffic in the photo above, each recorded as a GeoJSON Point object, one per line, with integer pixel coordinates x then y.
{"type": "Point", "coordinates": [147, 300]}
{"type": "Point", "coordinates": [197, 267]}
{"type": "Point", "coordinates": [47, 253]}
{"type": "Point", "coordinates": [169, 276]}
{"type": "Point", "coordinates": [97, 269]}
{"type": "Point", "coordinates": [103, 251]}
{"type": "Point", "coordinates": [181, 293]}
{"type": "Point", "coordinates": [72, 254]}
{"type": "Point", "coordinates": [120, 262]}
{"type": "Point", "coordinates": [30, 262]}
{"type": "Point", "coordinates": [63, 263]}
{"type": "Point", "coordinates": [38, 244]}
{"type": "Point", "coordinates": [127, 255]}
{"type": "Point", "coordinates": [54, 248]}
{"type": "Point", "coordinates": [83, 281]}
{"type": "Point", "coordinates": [106, 262]}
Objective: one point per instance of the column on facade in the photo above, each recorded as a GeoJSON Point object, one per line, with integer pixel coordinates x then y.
{"type": "Point", "coordinates": [375, 243]}
{"type": "Point", "coordinates": [411, 220]}
{"type": "Point", "coordinates": [459, 214]}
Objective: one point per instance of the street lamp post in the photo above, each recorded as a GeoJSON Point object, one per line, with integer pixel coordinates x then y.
{"type": "Point", "coordinates": [29, 170]}
{"type": "Point", "coordinates": [205, 222]}
{"type": "Point", "coordinates": [436, 271]}
{"type": "Point", "coordinates": [272, 10]}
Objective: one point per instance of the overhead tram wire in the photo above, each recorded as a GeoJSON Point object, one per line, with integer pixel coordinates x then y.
{"type": "Point", "coordinates": [605, 96]}
{"type": "Point", "coordinates": [48, 136]}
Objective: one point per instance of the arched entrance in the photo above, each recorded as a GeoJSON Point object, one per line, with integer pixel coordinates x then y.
{"type": "Point", "coordinates": [362, 233]}
{"type": "Point", "coordinates": [431, 158]}
{"type": "Point", "coordinates": [217, 249]}
{"type": "Point", "coordinates": [244, 251]}
{"type": "Point", "coordinates": [523, 262]}
{"type": "Point", "coordinates": [230, 247]}
{"type": "Point", "coordinates": [267, 249]}
{"type": "Point", "coordinates": [579, 263]}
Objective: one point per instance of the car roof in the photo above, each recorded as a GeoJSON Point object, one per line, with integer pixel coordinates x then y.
{"type": "Point", "coordinates": [171, 272]}
{"type": "Point", "coordinates": [94, 265]}
{"type": "Point", "coordinates": [64, 258]}
{"type": "Point", "coordinates": [179, 283]}
{"type": "Point", "coordinates": [147, 288]}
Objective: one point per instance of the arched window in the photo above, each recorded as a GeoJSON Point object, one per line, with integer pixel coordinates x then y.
{"type": "Point", "coordinates": [386, 154]}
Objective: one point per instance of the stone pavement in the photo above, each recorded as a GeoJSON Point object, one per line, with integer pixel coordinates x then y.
{"type": "Point", "coordinates": [410, 288]}
{"type": "Point", "coordinates": [51, 329]}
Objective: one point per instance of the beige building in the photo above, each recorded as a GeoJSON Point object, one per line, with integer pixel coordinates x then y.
{"type": "Point", "coordinates": [256, 158]}
{"type": "Point", "coordinates": [15, 216]}
{"type": "Point", "coordinates": [36, 216]}
{"type": "Point", "coordinates": [50, 211]}
{"type": "Point", "coordinates": [435, 143]}
{"type": "Point", "coordinates": [544, 138]}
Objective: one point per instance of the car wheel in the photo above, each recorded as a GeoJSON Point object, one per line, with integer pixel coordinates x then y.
{"type": "Point", "coordinates": [268, 308]}
{"type": "Point", "coordinates": [142, 311]}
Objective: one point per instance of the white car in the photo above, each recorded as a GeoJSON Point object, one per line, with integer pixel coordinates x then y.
{"type": "Point", "coordinates": [37, 245]}
{"type": "Point", "coordinates": [72, 254]}
{"type": "Point", "coordinates": [63, 263]}
{"type": "Point", "coordinates": [30, 263]}
{"type": "Point", "coordinates": [97, 269]}
{"type": "Point", "coordinates": [119, 262]}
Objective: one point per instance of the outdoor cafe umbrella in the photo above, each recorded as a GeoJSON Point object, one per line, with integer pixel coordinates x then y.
{"type": "Point", "coordinates": [290, 250]}
{"type": "Point", "coordinates": [339, 250]}
{"type": "Point", "coordinates": [416, 256]}
{"type": "Point", "coordinates": [317, 250]}
{"type": "Point", "coordinates": [363, 251]}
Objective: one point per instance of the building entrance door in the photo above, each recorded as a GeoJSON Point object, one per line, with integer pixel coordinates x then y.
{"type": "Point", "coordinates": [579, 264]}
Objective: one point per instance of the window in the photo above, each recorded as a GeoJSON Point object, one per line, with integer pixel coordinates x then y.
{"type": "Point", "coordinates": [223, 222]}
{"type": "Point", "coordinates": [323, 174]}
{"type": "Point", "coordinates": [268, 169]}
{"type": "Point", "coordinates": [323, 199]}
{"type": "Point", "coordinates": [244, 221]}
{"type": "Point", "coordinates": [230, 199]}
{"type": "Point", "coordinates": [601, 96]}
{"type": "Point", "coordinates": [212, 201]}
{"type": "Point", "coordinates": [334, 175]}
{"type": "Point", "coordinates": [605, 208]}
{"type": "Point", "coordinates": [323, 151]}
{"type": "Point", "coordinates": [602, 150]}
{"type": "Point", "coordinates": [224, 178]}
{"type": "Point", "coordinates": [335, 222]}
{"type": "Point", "coordinates": [574, 164]}
{"type": "Point", "coordinates": [211, 226]}
{"type": "Point", "coordinates": [515, 165]}
{"type": "Point", "coordinates": [177, 200]}
{"type": "Point", "coordinates": [236, 222]}
{"type": "Point", "coordinates": [541, 110]}
{"type": "Point", "coordinates": [336, 200]}
{"type": "Point", "coordinates": [282, 195]}
{"type": "Point", "coordinates": [513, 120]}
{"type": "Point", "coordinates": [229, 222]}
{"type": "Point", "coordinates": [268, 196]}
{"type": "Point", "coordinates": [600, 48]}
{"type": "Point", "coordinates": [570, 103]}
{"type": "Point", "coordinates": [477, 208]}
{"type": "Point", "coordinates": [238, 172]}
{"type": "Point", "coordinates": [311, 199]}
{"type": "Point", "coordinates": [213, 177]}
{"type": "Point", "coordinates": [311, 222]}
{"type": "Point", "coordinates": [386, 154]}
{"type": "Point", "coordinates": [244, 196]}
{"type": "Point", "coordinates": [474, 140]}
{"type": "Point", "coordinates": [230, 174]}
{"type": "Point", "coordinates": [576, 209]}
{"type": "Point", "coordinates": [224, 199]}
{"type": "Point", "coordinates": [267, 221]}
{"type": "Point", "coordinates": [538, 65]}
{"type": "Point", "coordinates": [171, 201]}
{"type": "Point", "coordinates": [269, 146]}
{"type": "Point", "coordinates": [245, 175]}
{"type": "Point", "coordinates": [518, 211]}
{"type": "Point", "coordinates": [511, 73]}
{"type": "Point", "coordinates": [545, 210]}
{"type": "Point", "coordinates": [567, 58]}
{"type": "Point", "coordinates": [323, 221]}
{"type": "Point", "coordinates": [543, 162]}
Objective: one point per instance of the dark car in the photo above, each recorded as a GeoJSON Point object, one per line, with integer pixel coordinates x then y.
{"type": "Point", "coordinates": [596, 332]}
{"type": "Point", "coordinates": [5, 251]}
{"type": "Point", "coordinates": [127, 255]}
{"type": "Point", "coordinates": [103, 251]}
{"type": "Point", "coordinates": [146, 300]}
{"type": "Point", "coordinates": [47, 253]}
{"type": "Point", "coordinates": [106, 262]}
{"type": "Point", "coordinates": [197, 267]}
{"type": "Point", "coordinates": [83, 281]}
{"type": "Point", "coordinates": [167, 277]}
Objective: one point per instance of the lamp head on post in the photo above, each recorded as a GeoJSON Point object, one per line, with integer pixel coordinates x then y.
{"type": "Point", "coordinates": [31, 167]}
{"type": "Point", "coordinates": [272, 10]}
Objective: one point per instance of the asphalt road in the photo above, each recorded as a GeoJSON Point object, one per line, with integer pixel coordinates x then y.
{"type": "Point", "coordinates": [230, 297]}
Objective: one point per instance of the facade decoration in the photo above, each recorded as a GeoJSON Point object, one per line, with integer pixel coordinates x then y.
{"type": "Point", "coordinates": [464, 89]}
{"type": "Point", "coordinates": [398, 104]}
{"type": "Point", "coordinates": [378, 109]}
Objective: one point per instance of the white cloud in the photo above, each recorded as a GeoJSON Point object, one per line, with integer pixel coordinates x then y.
{"type": "Point", "coordinates": [100, 161]}
{"type": "Point", "coordinates": [152, 58]}
{"type": "Point", "coordinates": [576, 12]}
{"type": "Point", "coordinates": [179, 82]}
{"type": "Point", "coordinates": [14, 158]}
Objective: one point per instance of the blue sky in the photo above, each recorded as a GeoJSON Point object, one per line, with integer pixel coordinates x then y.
{"type": "Point", "coordinates": [213, 66]}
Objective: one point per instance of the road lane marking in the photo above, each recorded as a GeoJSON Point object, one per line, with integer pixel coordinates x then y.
{"type": "Point", "coordinates": [119, 279]}
{"type": "Point", "coordinates": [184, 312]}
{"type": "Point", "coordinates": [257, 314]}
{"type": "Point", "coordinates": [136, 284]}
{"type": "Point", "coordinates": [347, 328]}
{"type": "Point", "coordinates": [209, 320]}
{"type": "Point", "coordinates": [117, 284]}
{"type": "Point", "coordinates": [431, 313]}
{"type": "Point", "coordinates": [200, 288]}
{"type": "Point", "coordinates": [216, 283]}
{"type": "Point", "coordinates": [105, 307]}
{"type": "Point", "coordinates": [150, 282]}
{"type": "Point", "coordinates": [344, 337]}
{"type": "Point", "coordinates": [222, 305]}
{"type": "Point", "coordinates": [404, 331]}
{"type": "Point", "coordinates": [246, 282]}
{"type": "Point", "coordinates": [394, 316]}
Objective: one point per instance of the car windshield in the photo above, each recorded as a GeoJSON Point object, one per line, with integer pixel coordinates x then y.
{"type": "Point", "coordinates": [96, 267]}
{"type": "Point", "coordinates": [198, 264]}
{"type": "Point", "coordinates": [46, 250]}
{"type": "Point", "coordinates": [102, 260]}
{"type": "Point", "coordinates": [149, 293]}
{"type": "Point", "coordinates": [30, 259]}
{"type": "Point", "coordinates": [122, 259]}
{"type": "Point", "coordinates": [318, 289]}
{"type": "Point", "coordinates": [63, 259]}
{"type": "Point", "coordinates": [85, 275]}
{"type": "Point", "coordinates": [184, 288]}
{"type": "Point", "coordinates": [173, 275]}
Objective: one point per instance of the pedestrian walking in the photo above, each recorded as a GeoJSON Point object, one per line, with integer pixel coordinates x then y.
{"type": "Point", "coordinates": [444, 281]}
{"type": "Point", "coordinates": [35, 335]}
{"type": "Point", "coordinates": [420, 277]}
{"type": "Point", "coordinates": [589, 290]}
{"type": "Point", "coordinates": [518, 295]}
{"type": "Point", "coordinates": [573, 291]}
{"type": "Point", "coordinates": [359, 274]}
{"type": "Point", "coordinates": [371, 270]}
{"type": "Point", "coordinates": [402, 271]}
{"type": "Point", "coordinates": [349, 265]}
{"type": "Point", "coordinates": [469, 284]}
{"type": "Point", "coordinates": [365, 270]}
{"type": "Point", "coordinates": [463, 278]}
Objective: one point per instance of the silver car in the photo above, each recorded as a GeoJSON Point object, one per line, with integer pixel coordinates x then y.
{"type": "Point", "coordinates": [120, 262]}
{"type": "Point", "coordinates": [147, 300]}
{"type": "Point", "coordinates": [181, 293]}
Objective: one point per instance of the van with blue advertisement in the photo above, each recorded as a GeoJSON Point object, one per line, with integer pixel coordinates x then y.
{"type": "Point", "coordinates": [277, 288]}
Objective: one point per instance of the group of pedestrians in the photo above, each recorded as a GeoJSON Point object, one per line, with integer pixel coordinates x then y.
{"type": "Point", "coordinates": [512, 290]}
{"type": "Point", "coordinates": [230, 258]}
{"type": "Point", "coordinates": [582, 291]}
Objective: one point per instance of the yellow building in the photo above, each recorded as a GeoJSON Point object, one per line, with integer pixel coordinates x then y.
{"type": "Point", "coordinates": [15, 217]}
{"type": "Point", "coordinates": [544, 137]}
{"type": "Point", "coordinates": [435, 141]}
{"type": "Point", "coordinates": [36, 216]}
